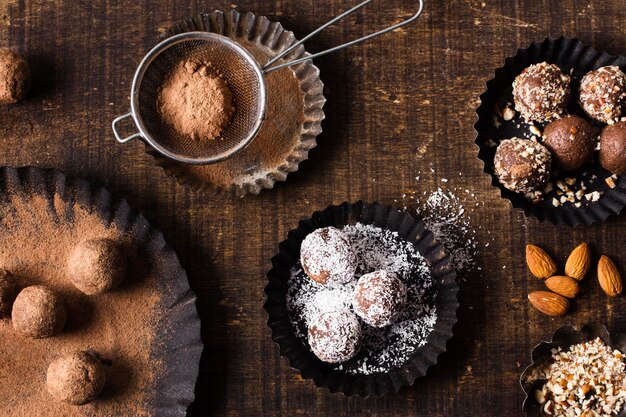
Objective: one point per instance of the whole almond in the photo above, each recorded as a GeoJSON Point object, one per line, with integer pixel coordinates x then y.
{"type": "Point", "coordinates": [609, 277]}
{"type": "Point", "coordinates": [578, 262]}
{"type": "Point", "coordinates": [565, 286]}
{"type": "Point", "coordinates": [539, 262]}
{"type": "Point", "coordinates": [549, 303]}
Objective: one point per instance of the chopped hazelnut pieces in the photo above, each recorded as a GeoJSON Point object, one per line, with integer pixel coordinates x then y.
{"type": "Point", "coordinates": [588, 379]}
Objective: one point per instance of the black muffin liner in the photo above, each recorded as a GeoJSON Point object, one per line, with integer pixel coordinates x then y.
{"type": "Point", "coordinates": [324, 374]}
{"type": "Point", "coordinates": [563, 338]}
{"type": "Point", "coordinates": [177, 346]}
{"type": "Point", "coordinates": [576, 59]}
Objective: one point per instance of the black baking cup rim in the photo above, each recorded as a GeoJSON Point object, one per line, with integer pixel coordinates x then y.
{"type": "Point", "coordinates": [564, 337]}
{"type": "Point", "coordinates": [179, 345]}
{"type": "Point", "coordinates": [272, 35]}
{"type": "Point", "coordinates": [613, 200]}
{"type": "Point", "coordinates": [303, 360]}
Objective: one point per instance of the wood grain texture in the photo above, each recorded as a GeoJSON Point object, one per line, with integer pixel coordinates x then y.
{"type": "Point", "coordinates": [397, 108]}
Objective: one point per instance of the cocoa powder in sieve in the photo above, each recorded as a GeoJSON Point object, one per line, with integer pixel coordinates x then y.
{"type": "Point", "coordinates": [36, 236]}
{"type": "Point", "coordinates": [196, 101]}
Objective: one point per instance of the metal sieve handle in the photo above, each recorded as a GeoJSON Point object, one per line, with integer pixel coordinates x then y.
{"type": "Point", "coordinates": [119, 138]}
{"type": "Point", "coordinates": [267, 69]}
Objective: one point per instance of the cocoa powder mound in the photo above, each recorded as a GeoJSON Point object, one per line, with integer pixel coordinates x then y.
{"type": "Point", "coordinates": [37, 236]}
{"type": "Point", "coordinates": [278, 136]}
{"type": "Point", "coordinates": [196, 101]}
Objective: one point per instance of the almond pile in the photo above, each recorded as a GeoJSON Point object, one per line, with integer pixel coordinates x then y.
{"type": "Point", "coordinates": [555, 302]}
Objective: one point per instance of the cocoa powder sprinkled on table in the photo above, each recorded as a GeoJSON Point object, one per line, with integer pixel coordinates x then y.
{"type": "Point", "coordinates": [36, 236]}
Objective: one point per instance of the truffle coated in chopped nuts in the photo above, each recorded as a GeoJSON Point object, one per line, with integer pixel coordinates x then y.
{"type": "Point", "coordinates": [327, 257]}
{"type": "Point", "coordinates": [76, 378]}
{"type": "Point", "coordinates": [613, 148]}
{"type": "Point", "coordinates": [14, 77]}
{"type": "Point", "coordinates": [379, 298]}
{"type": "Point", "coordinates": [522, 165]}
{"type": "Point", "coordinates": [8, 292]}
{"type": "Point", "coordinates": [541, 92]}
{"type": "Point", "coordinates": [335, 336]}
{"type": "Point", "coordinates": [571, 141]}
{"type": "Point", "coordinates": [96, 266]}
{"type": "Point", "coordinates": [38, 312]}
{"type": "Point", "coordinates": [602, 93]}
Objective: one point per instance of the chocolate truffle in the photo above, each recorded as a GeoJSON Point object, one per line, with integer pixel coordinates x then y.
{"type": "Point", "coordinates": [571, 141]}
{"type": "Point", "coordinates": [335, 336]}
{"type": "Point", "coordinates": [96, 266]}
{"type": "Point", "coordinates": [76, 378]}
{"type": "Point", "coordinates": [613, 148]}
{"type": "Point", "coordinates": [379, 298]}
{"type": "Point", "coordinates": [38, 312]}
{"type": "Point", "coordinates": [327, 257]}
{"type": "Point", "coordinates": [14, 77]}
{"type": "Point", "coordinates": [602, 93]}
{"type": "Point", "coordinates": [522, 165]}
{"type": "Point", "coordinates": [541, 92]}
{"type": "Point", "coordinates": [8, 292]}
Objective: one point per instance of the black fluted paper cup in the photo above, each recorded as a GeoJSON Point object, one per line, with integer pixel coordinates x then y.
{"type": "Point", "coordinates": [297, 351]}
{"type": "Point", "coordinates": [575, 59]}
{"type": "Point", "coordinates": [174, 345]}
{"type": "Point", "coordinates": [563, 338]}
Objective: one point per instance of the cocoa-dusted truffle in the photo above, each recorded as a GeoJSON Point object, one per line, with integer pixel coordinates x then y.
{"type": "Point", "coordinates": [327, 256]}
{"type": "Point", "coordinates": [613, 148]}
{"type": "Point", "coordinates": [541, 92]}
{"type": "Point", "coordinates": [14, 77]}
{"type": "Point", "coordinates": [571, 141]}
{"type": "Point", "coordinates": [8, 292]}
{"type": "Point", "coordinates": [38, 312]}
{"type": "Point", "coordinates": [379, 298]}
{"type": "Point", "coordinates": [335, 336]}
{"type": "Point", "coordinates": [76, 378]}
{"type": "Point", "coordinates": [96, 266]}
{"type": "Point", "coordinates": [602, 93]}
{"type": "Point", "coordinates": [522, 165]}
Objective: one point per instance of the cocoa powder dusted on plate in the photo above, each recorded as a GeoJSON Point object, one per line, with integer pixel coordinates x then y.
{"type": "Point", "coordinates": [37, 234]}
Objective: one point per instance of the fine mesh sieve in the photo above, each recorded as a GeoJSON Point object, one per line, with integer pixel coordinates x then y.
{"type": "Point", "coordinates": [242, 73]}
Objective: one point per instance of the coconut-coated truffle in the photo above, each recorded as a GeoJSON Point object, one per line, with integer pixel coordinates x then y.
{"type": "Point", "coordinates": [76, 378]}
{"type": "Point", "coordinates": [541, 92]}
{"type": "Point", "coordinates": [571, 141]}
{"type": "Point", "coordinates": [14, 77]}
{"type": "Point", "coordinates": [522, 165]}
{"type": "Point", "coordinates": [603, 93]}
{"type": "Point", "coordinates": [613, 148]}
{"type": "Point", "coordinates": [327, 257]}
{"type": "Point", "coordinates": [96, 266]}
{"type": "Point", "coordinates": [38, 312]}
{"type": "Point", "coordinates": [379, 298]}
{"type": "Point", "coordinates": [8, 292]}
{"type": "Point", "coordinates": [335, 336]}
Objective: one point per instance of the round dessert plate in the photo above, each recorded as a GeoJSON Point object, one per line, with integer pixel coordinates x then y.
{"type": "Point", "coordinates": [338, 378]}
{"type": "Point", "coordinates": [575, 59]}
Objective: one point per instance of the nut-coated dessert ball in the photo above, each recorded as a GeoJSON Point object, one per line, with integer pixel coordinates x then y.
{"type": "Point", "coordinates": [38, 312]}
{"type": "Point", "coordinates": [14, 77]}
{"type": "Point", "coordinates": [613, 148]}
{"type": "Point", "coordinates": [603, 93]}
{"type": "Point", "coordinates": [327, 257]}
{"type": "Point", "coordinates": [522, 165]}
{"type": "Point", "coordinates": [541, 92]}
{"type": "Point", "coordinates": [379, 298]}
{"type": "Point", "coordinates": [571, 141]}
{"type": "Point", "coordinates": [335, 336]}
{"type": "Point", "coordinates": [96, 266]}
{"type": "Point", "coordinates": [8, 292]}
{"type": "Point", "coordinates": [76, 378]}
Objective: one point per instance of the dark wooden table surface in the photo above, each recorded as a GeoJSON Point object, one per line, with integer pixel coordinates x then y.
{"type": "Point", "coordinates": [396, 107]}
